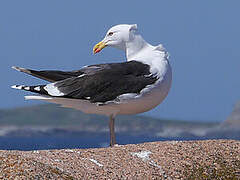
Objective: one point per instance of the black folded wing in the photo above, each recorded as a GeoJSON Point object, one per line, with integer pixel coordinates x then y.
{"type": "Point", "coordinates": [97, 83]}
{"type": "Point", "coordinates": [50, 75]}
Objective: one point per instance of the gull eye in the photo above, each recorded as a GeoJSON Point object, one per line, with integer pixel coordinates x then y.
{"type": "Point", "coordinates": [110, 33]}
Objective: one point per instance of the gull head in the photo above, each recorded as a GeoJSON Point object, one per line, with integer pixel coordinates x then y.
{"type": "Point", "coordinates": [117, 37]}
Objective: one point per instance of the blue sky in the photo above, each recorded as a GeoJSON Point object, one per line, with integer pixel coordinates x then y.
{"type": "Point", "coordinates": [201, 36]}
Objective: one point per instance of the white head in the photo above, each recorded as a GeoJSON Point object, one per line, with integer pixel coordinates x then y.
{"type": "Point", "coordinates": [117, 37]}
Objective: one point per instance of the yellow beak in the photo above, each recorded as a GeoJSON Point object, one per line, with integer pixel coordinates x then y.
{"type": "Point", "coordinates": [98, 47]}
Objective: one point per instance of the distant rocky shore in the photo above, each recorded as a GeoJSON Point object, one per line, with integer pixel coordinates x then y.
{"type": "Point", "coordinates": [210, 159]}
{"type": "Point", "coordinates": [233, 120]}
{"type": "Point", "coordinates": [51, 120]}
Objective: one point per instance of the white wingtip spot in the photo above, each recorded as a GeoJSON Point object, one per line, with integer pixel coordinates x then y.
{"type": "Point", "coordinates": [17, 68]}
{"type": "Point", "coordinates": [37, 88]}
{"type": "Point", "coordinates": [16, 87]}
{"type": "Point", "coordinates": [14, 67]}
{"type": "Point", "coordinates": [27, 88]}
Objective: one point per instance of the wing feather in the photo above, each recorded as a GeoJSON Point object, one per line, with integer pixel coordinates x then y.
{"type": "Point", "coordinates": [100, 83]}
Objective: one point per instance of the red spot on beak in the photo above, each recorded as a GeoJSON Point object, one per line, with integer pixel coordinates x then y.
{"type": "Point", "coordinates": [97, 50]}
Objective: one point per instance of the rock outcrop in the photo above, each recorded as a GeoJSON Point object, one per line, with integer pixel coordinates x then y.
{"type": "Point", "coordinates": [211, 159]}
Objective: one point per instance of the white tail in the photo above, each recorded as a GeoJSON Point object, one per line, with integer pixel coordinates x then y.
{"type": "Point", "coordinates": [37, 97]}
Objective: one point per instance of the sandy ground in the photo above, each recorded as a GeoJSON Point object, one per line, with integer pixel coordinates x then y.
{"type": "Point", "coordinates": [211, 159]}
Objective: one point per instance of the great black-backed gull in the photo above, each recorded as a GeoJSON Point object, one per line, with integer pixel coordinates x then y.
{"type": "Point", "coordinates": [131, 87]}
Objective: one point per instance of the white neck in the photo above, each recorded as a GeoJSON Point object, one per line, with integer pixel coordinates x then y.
{"type": "Point", "coordinates": [134, 46]}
